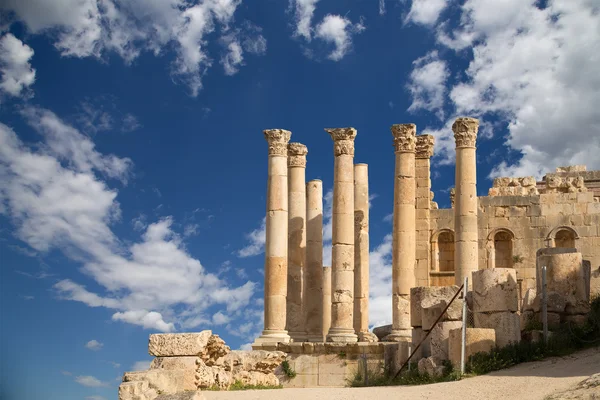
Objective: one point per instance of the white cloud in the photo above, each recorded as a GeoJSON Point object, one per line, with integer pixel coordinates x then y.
{"type": "Point", "coordinates": [65, 206]}
{"type": "Point", "coordinates": [130, 123]}
{"type": "Point", "coordinates": [15, 68]}
{"type": "Point", "coordinates": [90, 381]}
{"type": "Point", "coordinates": [220, 318]}
{"type": "Point", "coordinates": [381, 7]}
{"type": "Point", "coordinates": [380, 283]}
{"type": "Point", "coordinates": [94, 28]}
{"type": "Point", "coordinates": [303, 13]}
{"type": "Point", "coordinates": [257, 241]}
{"type": "Point", "coordinates": [426, 12]}
{"type": "Point", "coordinates": [190, 230]}
{"type": "Point", "coordinates": [96, 397]}
{"type": "Point", "coordinates": [94, 345]}
{"type": "Point", "coordinates": [338, 30]}
{"type": "Point", "coordinates": [233, 58]}
{"type": "Point", "coordinates": [535, 69]}
{"type": "Point", "coordinates": [246, 346]}
{"type": "Point", "coordinates": [141, 365]}
{"type": "Point", "coordinates": [427, 84]}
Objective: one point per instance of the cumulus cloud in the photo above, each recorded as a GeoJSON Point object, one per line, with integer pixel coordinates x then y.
{"type": "Point", "coordinates": [257, 241]}
{"type": "Point", "coordinates": [94, 345]}
{"type": "Point", "coordinates": [95, 28]}
{"type": "Point", "coordinates": [141, 365]}
{"type": "Point", "coordinates": [90, 381]}
{"type": "Point", "coordinates": [338, 31]}
{"type": "Point", "coordinates": [333, 29]}
{"type": "Point", "coordinates": [17, 75]}
{"type": "Point", "coordinates": [426, 12]}
{"type": "Point", "coordinates": [55, 200]}
{"type": "Point", "coordinates": [380, 283]}
{"type": "Point", "coordinates": [533, 68]}
{"type": "Point", "coordinates": [381, 7]}
{"type": "Point", "coordinates": [95, 398]}
{"type": "Point", "coordinates": [427, 84]}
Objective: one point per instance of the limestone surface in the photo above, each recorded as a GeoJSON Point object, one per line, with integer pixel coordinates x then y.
{"type": "Point", "coordinates": [506, 324]}
{"type": "Point", "coordinates": [495, 289]}
{"type": "Point", "coordinates": [477, 340]}
{"type": "Point", "coordinates": [438, 339]}
{"type": "Point", "coordinates": [424, 297]}
{"type": "Point", "coordinates": [382, 331]}
{"type": "Point", "coordinates": [178, 344]}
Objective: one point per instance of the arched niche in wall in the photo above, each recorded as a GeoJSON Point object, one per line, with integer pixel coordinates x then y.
{"type": "Point", "coordinates": [442, 248]}
{"type": "Point", "coordinates": [563, 236]}
{"type": "Point", "coordinates": [500, 248]}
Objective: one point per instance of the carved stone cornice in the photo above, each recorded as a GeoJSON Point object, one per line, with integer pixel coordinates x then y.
{"type": "Point", "coordinates": [465, 131]}
{"type": "Point", "coordinates": [404, 137]}
{"type": "Point", "coordinates": [278, 140]}
{"type": "Point", "coordinates": [424, 146]}
{"type": "Point", "coordinates": [297, 155]}
{"type": "Point", "coordinates": [343, 140]}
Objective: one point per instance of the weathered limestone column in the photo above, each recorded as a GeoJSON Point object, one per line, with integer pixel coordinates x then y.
{"type": "Point", "coordinates": [465, 208]}
{"type": "Point", "coordinates": [424, 152]}
{"type": "Point", "coordinates": [296, 240]}
{"type": "Point", "coordinates": [313, 294]}
{"type": "Point", "coordinates": [276, 240]}
{"type": "Point", "coordinates": [361, 253]}
{"type": "Point", "coordinates": [403, 235]}
{"type": "Point", "coordinates": [342, 259]}
{"type": "Point", "coordinates": [326, 301]}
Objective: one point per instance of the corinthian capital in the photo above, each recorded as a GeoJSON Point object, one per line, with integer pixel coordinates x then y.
{"type": "Point", "coordinates": [425, 146]}
{"type": "Point", "coordinates": [278, 140]}
{"type": "Point", "coordinates": [404, 137]}
{"type": "Point", "coordinates": [297, 155]}
{"type": "Point", "coordinates": [343, 140]}
{"type": "Point", "coordinates": [465, 131]}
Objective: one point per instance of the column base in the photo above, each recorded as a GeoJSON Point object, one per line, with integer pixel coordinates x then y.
{"type": "Point", "coordinates": [368, 337]}
{"type": "Point", "coordinates": [269, 336]}
{"type": "Point", "coordinates": [298, 337]}
{"type": "Point", "coordinates": [315, 338]}
{"type": "Point", "coordinates": [399, 335]}
{"type": "Point", "coordinates": [341, 335]}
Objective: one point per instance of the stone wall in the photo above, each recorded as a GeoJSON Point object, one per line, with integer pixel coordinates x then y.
{"type": "Point", "coordinates": [563, 213]}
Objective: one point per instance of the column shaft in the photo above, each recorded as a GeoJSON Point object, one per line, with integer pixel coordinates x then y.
{"type": "Point", "coordinates": [361, 252]}
{"type": "Point", "coordinates": [314, 262]}
{"type": "Point", "coordinates": [465, 204]}
{"type": "Point", "coordinates": [326, 301]}
{"type": "Point", "coordinates": [424, 151]}
{"type": "Point", "coordinates": [296, 241]}
{"type": "Point", "coordinates": [276, 244]}
{"type": "Point", "coordinates": [342, 260]}
{"type": "Point", "coordinates": [404, 235]}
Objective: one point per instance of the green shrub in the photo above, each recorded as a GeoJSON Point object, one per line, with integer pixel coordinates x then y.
{"type": "Point", "coordinates": [285, 365]}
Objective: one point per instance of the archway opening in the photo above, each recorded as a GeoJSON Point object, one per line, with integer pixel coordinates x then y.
{"type": "Point", "coordinates": [446, 252]}
{"type": "Point", "coordinates": [564, 238]}
{"type": "Point", "coordinates": [503, 249]}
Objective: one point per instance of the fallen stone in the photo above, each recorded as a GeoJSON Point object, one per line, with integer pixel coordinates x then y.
{"type": "Point", "coordinates": [430, 366]}
{"type": "Point", "coordinates": [164, 380]}
{"type": "Point", "coordinates": [256, 360]}
{"type": "Point", "coordinates": [197, 395]}
{"type": "Point", "coordinates": [506, 324]}
{"type": "Point", "coordinates": [430, 314]}
{"type": "Point", "coordinates": [367, 337]}
{"type": "Point", "coordinates": [577, 307]}
{"type": "Point", "coordinates": [178, 344]}
{"type": "Point", "coordinates": [528, 299]}
{"type": "Point", "coordinates": [394, 355]}
{"type": "Point", "coordinates": [577, 320]}
{"type": "Point", "coordinates": [477, 340]}
{"type": "Point", "coordinates": [527, 318]}
{"type": "Point", "coordinates": [418, 334]}
{"type": "Point", "coordinates": [556, 303]}
{"type": "Point", "coordinates": [438, 339]}
{"type": "Point", "coordinates": [382, 331]}
{"type": "Point", "coordinates": [186, 362]}
{"type": "Point", "coordinates": [427, 296]}
{"type": "Point", "coordinates": [495, 290]}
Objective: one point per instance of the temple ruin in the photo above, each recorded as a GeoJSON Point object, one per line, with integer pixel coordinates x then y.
{"type": "Point", "coordinates": [308, 302]}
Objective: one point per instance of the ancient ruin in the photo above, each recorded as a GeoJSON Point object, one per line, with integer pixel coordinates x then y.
{"type": "Point", "coordinates": [316, 317]}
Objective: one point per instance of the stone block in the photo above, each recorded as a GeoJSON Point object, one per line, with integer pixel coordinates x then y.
{"type": "Point", "coordinates": [528, 300]}
{"type": "Point", "coordinates": [506, 324]}
{"type": "Point", "coordinates": [438, 338]}
{"type": "Point", "coordinates": [423, 297]}
{"type": "Point", "coordinates": [178, 344]}
{"type": "Point", "coordinates": [577, 320]}
{"type": "Point", "coordinates": [431, 366]}
{"type": "Point", "coordinates": [495, 289]}
{"type": "Point", "coordinates": [527, 317]}
{"type": "Point", "coordinates": [418, 334]}
{"type": "Point", "coordinates": [477, 340]}
{"type": "Point", "coordinates": [164, 380]}
{"type": "Point", "coordinates": [197, 395]}
{"type": "Point", "coordinates": [186, 362]}
{"type": "Point", "coordinates": [565, 274]}
{"type": "Point", "coordinates": [580, 307]}
{"type": "Point", "coordinates": [430, 314]}
{"type": "Point", "coordinates": [555, 303]}
{"type": "Point", "coordinates": [394, 355]}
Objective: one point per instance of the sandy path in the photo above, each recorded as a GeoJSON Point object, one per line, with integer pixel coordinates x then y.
{"type": "Point", "coordinates": [530, 381]}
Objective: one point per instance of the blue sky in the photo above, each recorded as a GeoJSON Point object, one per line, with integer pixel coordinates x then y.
{"type": "Point", "coordinates": [133, 164]}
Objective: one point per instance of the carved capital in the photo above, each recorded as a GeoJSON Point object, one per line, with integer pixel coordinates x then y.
{"type": "Point", "coordinates": [424, 146]}
{"type": "Point", "coordinates": [278, 140]}
{"type": "Point", "coordinates": [452, 197]}
{"type": "Point", "coordinates": [404, 137]}
{"type": "Point", "coordinates": [465, 131]}
{"type": "Point", "coordinates": [343, 140]}
{"type": "Point", "coordinates": [297, 155]}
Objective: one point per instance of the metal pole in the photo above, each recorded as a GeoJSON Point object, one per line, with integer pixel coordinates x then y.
{"type": "Point", "coordinates": [544, 305]}
{"type": "Point", "coordinates": [464, 326]}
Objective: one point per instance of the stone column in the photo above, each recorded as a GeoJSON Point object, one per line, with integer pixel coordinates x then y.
{"type": "Point", "coordinates": [326, 301]}
{"type": "Point", "coordinates": [465, 204]}
{"type": "Point", "coordinates": [424, 152]}
{"type": "Point", "coordinates": [313, 294]}
{"type": "Point", "coordinates": [361, 253]}
{"type": "Point", "coordinates": [403, 241]}
{"type": "Point", "coordinates": [296, 240]}
{"type": "Point", "coordinates": [342, 259]}
{"type": "Point", "coordinates": [276, 239]}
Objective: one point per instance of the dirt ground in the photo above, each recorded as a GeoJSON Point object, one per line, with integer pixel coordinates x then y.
{"type": "Point", "coordinates": [557, 377]}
